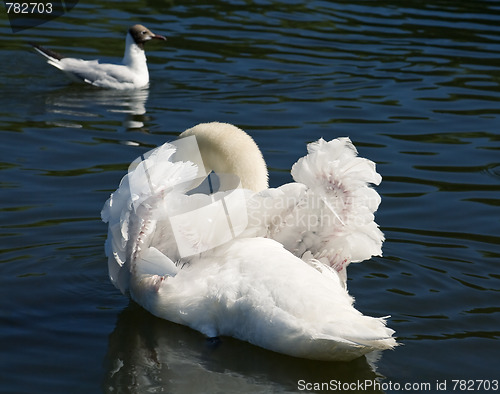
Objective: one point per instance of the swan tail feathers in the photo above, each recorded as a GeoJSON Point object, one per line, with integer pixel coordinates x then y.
{"type": "Point", "coordinates": [377, 335]}
{"type": "Point", "coordinates": [372, 335]}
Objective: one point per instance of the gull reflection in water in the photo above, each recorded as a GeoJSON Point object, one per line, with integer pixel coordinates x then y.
{"type": "Point", "coordinates": [75, 107]}
{"type": "Point", "coordinates": [148, 354]}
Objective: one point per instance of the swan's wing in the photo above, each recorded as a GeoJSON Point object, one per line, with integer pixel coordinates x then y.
{"type": "Point", "coordinates": [153, 222]}
{"type": "Point", "coordinates": [329, 214]}
{"type": "Point", "coordinates": [132, 213]}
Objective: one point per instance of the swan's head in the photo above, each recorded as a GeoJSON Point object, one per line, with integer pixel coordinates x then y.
{"type": "Point", "coordinates": [227, 149]}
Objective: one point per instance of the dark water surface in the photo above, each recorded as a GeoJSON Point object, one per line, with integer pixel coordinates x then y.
{"type": "Point", "coordinates": [415, 85]}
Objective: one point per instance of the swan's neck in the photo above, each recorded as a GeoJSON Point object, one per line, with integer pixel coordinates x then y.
{"type": "Point", "coordinates": [227, 149]}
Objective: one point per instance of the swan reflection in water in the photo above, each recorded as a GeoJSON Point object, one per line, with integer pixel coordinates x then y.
{"type": "Point", "coordinates": [149, 354]}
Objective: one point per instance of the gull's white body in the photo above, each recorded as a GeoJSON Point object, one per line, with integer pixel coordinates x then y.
{"type": "Point", "coordinates": [131, 73]}
{"type": "Point", "coordinates": [279, 283]}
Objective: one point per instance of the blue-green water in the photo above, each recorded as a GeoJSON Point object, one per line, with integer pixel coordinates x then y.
{"type": "Point", "coordinates": [415, 85]}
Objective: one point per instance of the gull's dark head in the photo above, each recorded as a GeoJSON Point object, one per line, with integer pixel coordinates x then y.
{"type": "Point", "coordinates": [141, 34]}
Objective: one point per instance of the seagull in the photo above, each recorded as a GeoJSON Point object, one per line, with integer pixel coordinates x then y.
{"type": "Point", "coordinates": [131, 73]}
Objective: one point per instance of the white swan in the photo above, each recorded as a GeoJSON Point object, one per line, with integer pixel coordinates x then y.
{"type": "Point", "coordinates": [262, 265]}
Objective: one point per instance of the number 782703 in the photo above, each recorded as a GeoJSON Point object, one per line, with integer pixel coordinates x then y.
{"type": "Point", "coordinates": [29, 8]}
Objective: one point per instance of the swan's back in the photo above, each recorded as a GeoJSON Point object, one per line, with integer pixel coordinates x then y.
{"type": "Point", "coordinates": [252, 289]}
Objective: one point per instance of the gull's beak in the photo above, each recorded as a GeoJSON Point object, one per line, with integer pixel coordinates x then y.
{"type": "Point", "coordinates": [158, 37]}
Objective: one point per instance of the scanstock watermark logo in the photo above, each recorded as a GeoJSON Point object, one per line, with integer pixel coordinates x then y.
{"type": "Point", "coordinates": [25, 15]}
{"type": "Point", "coordinates": [203, 212]}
